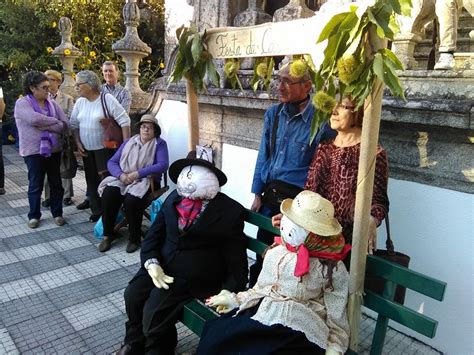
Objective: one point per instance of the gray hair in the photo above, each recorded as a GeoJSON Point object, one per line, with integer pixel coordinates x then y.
{"type": "Point", "coordinates": [89, 77]}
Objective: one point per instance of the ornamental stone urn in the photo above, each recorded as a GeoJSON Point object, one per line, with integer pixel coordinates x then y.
{"type": "Point", "coordinates": [67, 53]}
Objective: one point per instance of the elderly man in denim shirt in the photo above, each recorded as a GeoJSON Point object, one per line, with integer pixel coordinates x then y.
{"type": "Point", "coordinates": [289, 161]}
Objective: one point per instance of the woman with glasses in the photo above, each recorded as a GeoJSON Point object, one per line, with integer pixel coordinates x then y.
{"type": "Point", "coordinates": [333, 171]}
{"type": "Point", "coordinates": [40, 122]}
{"type": "Point", "coordinates": [66, 102]}
{"type": "Point", "coordinates": [89, 134]}
{"type": "Point", "coordinates": [143, 155]}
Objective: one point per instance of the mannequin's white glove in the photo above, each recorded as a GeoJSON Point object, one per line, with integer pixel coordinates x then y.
{"type": "Point", "coordinates": [160, 279]}
{"type": "Point", "coordinates": [224, 302]}
{"type": "Point", "coordinates": [332, 351]}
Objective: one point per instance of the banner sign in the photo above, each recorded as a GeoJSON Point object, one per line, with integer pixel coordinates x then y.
{"type": "Point", "coordinates": [269, 39]}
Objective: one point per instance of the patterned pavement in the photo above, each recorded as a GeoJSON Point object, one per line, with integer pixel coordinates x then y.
{"type": "Point", "coordinates": [60, 295]}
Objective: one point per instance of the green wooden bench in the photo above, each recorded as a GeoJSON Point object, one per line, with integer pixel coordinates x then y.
{"type": "Point", "coordinates": [195, 313]}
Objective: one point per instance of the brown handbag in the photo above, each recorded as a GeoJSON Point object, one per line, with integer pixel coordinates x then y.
{"type": "Point", "coordinates": [112, 131]}
{"type": "Point", "coordinates": [376, 284]}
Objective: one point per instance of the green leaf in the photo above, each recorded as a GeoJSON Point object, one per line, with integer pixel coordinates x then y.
{"type": "Point", "coordinates": [395, 5]}
{"type": "Point", "coordinates": [196, 48]}
{"type": "Point", "coordinates": [392, 82]}
{"type": "Point", "coordinates": [180, 31]}
{"type": "Point", "coordinates": [406, 6]}
{"type": "Point", "coordinates": [318, 118]}
{"type": "Point", "coordinates": [393, 24]}
{"type": "Point", "coordinates": [332, 27]}
{"type": "Point", "coordinates": [212, 73]}
{"type": "Point", "coordinates": [393, 58]}
{"type": "Point", "coordinates": [378, 66]}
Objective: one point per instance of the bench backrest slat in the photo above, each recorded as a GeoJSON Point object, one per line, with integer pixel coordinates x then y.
{"type": "Point", "coordinates": [401, 314]}
{"type": "Point", "coordinates": [260, 221]}
{"type": "Point", "coordinates": [410, 279]}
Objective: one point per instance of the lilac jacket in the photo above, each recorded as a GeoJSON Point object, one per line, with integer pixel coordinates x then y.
{"type": "Point", "coordinates": [160, 163]}
{"type": "Point", "coordinates": [28, 123]}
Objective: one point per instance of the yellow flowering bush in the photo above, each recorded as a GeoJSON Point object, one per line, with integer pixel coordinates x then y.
{"type": "Point", "coordinates": [86, 39]}
{"type": "Point", "coordinates": [262, 69]}
{"type": "Point", "coordinates": [54, 24]}
{"type": "Point", "coordinates": [67, 51]}
{"type": "Point", "coordinates": [49, 50]}
{"type": "Point", "coordinates": [92, 54]}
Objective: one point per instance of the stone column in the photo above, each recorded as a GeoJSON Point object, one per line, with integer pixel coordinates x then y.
{"type": "Point", "coordinates": [294, 10]}
{"type": "Point", "coordinates": [67, 53]}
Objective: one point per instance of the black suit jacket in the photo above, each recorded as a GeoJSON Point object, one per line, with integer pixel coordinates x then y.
{"type": "Point", "coordinates": [210, 256]}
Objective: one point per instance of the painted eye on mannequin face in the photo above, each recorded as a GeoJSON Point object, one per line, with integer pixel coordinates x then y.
{"type": "Point", "coordinates": [189, 174]}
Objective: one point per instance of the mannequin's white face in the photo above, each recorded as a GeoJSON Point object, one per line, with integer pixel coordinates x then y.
{"type": "Point", "coordinates": [197, 182]}
{"type": "Point", "coordinates": [292, 233]}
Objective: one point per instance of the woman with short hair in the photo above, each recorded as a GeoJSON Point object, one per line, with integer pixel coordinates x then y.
{"type": "Point", "coordinates": [89, 134]}
{"type": "Point", "coordinates": [143, 155]}
{"type": "Point", "coordinates": [40, 122]}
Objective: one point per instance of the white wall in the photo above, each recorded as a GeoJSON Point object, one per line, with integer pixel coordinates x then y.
{"type": "Point", "coordinates": [432, 225]}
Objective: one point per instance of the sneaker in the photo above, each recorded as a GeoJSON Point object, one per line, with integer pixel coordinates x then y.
{"type": "Point", "coordinates": [445, 62]}
{"type": "Point", "coordinates": [45, 203]}
{"type": "Point", "coordinates": [67, 201]}
{"type": "Point", "coordinates": [105, 244]}
{"type": "Point", "coordinates": [33, 223]}
{"type": "Point", "coordinates": [83, 205]}
{"type": "Point", "coordinates": [59, 221]}
{"type": "Point", "coordinates": [2, 191]}
{"type": "Point", "coordinates": [132, 246]}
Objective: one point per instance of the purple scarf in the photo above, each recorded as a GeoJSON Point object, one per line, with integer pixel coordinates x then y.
{"type": "Point", "coordinates": [47, 139]}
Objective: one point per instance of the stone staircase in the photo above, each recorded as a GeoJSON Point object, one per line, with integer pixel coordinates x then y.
{"type": "Point", "coordinates": [465, 44]}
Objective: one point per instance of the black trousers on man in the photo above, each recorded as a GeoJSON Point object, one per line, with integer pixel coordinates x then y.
{"type": "Point", "coordinates": [152, 315]}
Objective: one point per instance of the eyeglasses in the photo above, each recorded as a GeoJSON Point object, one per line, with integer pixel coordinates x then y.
{"type": "Point", "coordinates": [335, 111]}
{"type": "Point", "coordinates": [287, 83]}
{"type": "Point", "coordinates": [149, 128]}
{"type": "Point", "coordinates": [44, 87]}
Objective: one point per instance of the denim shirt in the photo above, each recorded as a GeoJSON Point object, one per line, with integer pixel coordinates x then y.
{"type": "Point", "coordinates": [292, 153]}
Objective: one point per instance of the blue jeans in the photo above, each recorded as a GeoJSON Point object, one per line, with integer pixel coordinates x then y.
{"type": "Point", "coordinates": [38, 168]}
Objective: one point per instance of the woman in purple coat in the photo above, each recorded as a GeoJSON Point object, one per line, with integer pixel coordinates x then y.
{"type": "Point", "coordinates": [40, 122]}
{"type": "Point", "coordinates": [142, 155]}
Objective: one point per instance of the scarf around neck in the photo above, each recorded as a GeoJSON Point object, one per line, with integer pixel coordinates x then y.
{"type": "Point", "coordinates": [135, 156]}
{"type": "Point", "coordinates": [303, 254]}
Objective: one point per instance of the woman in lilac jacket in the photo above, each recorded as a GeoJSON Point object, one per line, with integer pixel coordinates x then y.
{"type": "Point", "coordinates": [142, 155]}
{"type": "Point", "coordinates": [40, 122]}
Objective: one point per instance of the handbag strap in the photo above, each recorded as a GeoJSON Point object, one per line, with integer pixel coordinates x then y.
{"type": "Point", "coordinates": [389, 242]}
{"type": "Point", "coordinates": [104, 105]}
{"type": "Point", "coordinates": [274, 130]}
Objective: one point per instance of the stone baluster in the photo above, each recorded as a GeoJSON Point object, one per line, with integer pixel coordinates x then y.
{"type": "Point", "coordinates": [131, 47]}
{"type": "Point", "coordinates": [67, 53]}
{"type": "Point", "coordinates": [294, 10]}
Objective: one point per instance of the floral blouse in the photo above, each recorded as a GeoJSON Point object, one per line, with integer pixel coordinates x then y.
{"type": "Point", "coordinates": [333, 175]}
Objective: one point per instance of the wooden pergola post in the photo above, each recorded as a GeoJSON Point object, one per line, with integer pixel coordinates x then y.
{"type": "Point", "coordinates": [363, 203]}
{"type": "Point", "coordinates": [193, 115]}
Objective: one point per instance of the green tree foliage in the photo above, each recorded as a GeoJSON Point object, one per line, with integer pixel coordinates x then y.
{"type": "Point", "coordinates": [29, 32]}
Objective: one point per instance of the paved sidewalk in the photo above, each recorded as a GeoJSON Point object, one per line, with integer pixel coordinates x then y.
{"type": "Point", "coordinates": [60, 295]}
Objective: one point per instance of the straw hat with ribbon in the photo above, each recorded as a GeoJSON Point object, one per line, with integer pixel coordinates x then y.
{"type": "Point", "coordinates": [316, 215]}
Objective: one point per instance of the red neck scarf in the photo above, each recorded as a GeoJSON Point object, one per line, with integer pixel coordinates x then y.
{"type": "Point", "coordinates": [187, 210]}
{"type": "Point", "coordinates": [303, 255]}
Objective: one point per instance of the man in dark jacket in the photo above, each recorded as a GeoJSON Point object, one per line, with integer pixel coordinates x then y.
{"type": "Point", "coordinates": [195, 247]}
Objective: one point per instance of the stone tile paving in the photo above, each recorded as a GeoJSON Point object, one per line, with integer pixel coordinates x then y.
{"type": "Point", "coordinates": [60, 295]}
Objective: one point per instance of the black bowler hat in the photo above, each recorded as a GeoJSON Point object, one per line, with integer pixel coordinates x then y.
{"type": "Point", "coordinates": [176, 168]}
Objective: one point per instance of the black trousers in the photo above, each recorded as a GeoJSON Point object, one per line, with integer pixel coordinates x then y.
{"type": "Point", "coordinates": [133, 206]}
{"type": "Point", "coordinates": [95, 164]}
{"type": "Point", "coordinates": [152, 315]}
